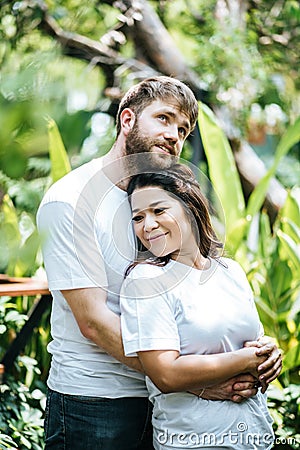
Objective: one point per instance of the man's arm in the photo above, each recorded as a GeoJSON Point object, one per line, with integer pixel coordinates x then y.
{"type": "Point", "coordinates": [102, 326]}
{"type": "Point", "coordinates": [236, 389]}
{"type": "Point", "coordinates": [98, 323]}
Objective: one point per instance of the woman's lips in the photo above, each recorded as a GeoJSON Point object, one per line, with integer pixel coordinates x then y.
{"type": "Point", "coordinates": [158, 236]}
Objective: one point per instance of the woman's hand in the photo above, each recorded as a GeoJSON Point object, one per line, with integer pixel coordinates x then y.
{"type": "Point", "coordinates": [254, 360]}
{"type": "Point", "coordinates": [270, 369]}
{"type": "Point", "coordinates": [240, 387]}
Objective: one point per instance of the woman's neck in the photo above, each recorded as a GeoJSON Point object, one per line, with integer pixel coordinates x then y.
{"type": "Point", "coordinates": [195, 260]}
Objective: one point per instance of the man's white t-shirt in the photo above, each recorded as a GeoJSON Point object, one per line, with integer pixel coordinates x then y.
{"type": "Point", "coordinates": [177, 307]}
{"type": "Point", "coordinates": [87, 241]}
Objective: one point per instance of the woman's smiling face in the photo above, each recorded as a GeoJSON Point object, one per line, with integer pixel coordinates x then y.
{"type": "Point", "coordinates": [160, 222]}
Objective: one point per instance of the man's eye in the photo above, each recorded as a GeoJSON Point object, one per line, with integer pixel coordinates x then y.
{"type": "Point", "coordinates": [163, 117]}
{"type": "Point", "coordinates": [137, 218]}
{"type": "Point", "coordinates": [182, 132]}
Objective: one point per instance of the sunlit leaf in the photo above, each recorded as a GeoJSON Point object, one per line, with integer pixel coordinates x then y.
{"type": "Point", "coordinates": [60, 164]}
{"type": "Point", "coordinates": [291, 229]}
{"type": "Point", "coordinates": [236, 234]}
{"type": "Point", "coordinates": [290, 214]}
{"type": "Point", "coordinates": [265, 240]}
{"type": "Point", "coordinates": [222, 168]}
{"type": "Point", "coordinates": [290, 138]}
{"type": "Point", "coordinates": [291, 358]}
{"type": "Point", "coordinates": [292, 250]}
{"type": "Point", "coordinates": [10, 232]}
{"type": "Point", "coordinates": [25, 262]}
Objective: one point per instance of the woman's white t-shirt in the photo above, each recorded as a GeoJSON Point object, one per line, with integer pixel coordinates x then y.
{"type": "Point", "coordinates": [177, 307]}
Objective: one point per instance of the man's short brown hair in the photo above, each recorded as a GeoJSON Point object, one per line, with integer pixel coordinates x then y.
{"type": "Point", "coordinates": [163, 88]}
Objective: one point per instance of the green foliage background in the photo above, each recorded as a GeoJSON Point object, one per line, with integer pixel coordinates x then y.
{"type": "Point", "coordinates": [53, 116]}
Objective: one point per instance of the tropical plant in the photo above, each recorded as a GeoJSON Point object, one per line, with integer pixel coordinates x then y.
{"type": "Point", "coordinates": [22, 396]}
{"type": "Point", "coordinates": [269, 254]}
{"type": "Point", "coordinates": [237, 59]}
{"type": "Point", "coordinates": [21, 416]}
{"type": "Point", "coordinates": [23, 392]}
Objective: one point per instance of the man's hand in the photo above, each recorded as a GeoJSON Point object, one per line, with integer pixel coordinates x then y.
{"type": "Point", "coordinates": [271, 368]}
{"type": "Point", "coordinates": [236, 389]}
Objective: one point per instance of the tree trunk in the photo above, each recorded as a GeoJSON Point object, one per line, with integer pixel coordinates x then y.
{"type": "Point", "coordinates": [252, 170]}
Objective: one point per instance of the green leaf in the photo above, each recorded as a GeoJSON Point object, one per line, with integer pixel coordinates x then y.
{"type": "Point", "coordinates": [7, 442]}
{"type": "Point", "coordinates": [236, 234]}
{"type": "Point", "coordinates": [10, 231]}
{"type": "Point", "coordinates": [223, 172]}
{"type": "Point", "coordinates": [292, 251]}
{"type": "Point", "coordinates": [291, 229]}
{"type": "Point", "coordinates": [60, 164]}
{"type": "Point", "coordinates": [13, 162]}
{"type": "Point", "coordinates": [27, 255]}
{"type": "Point", "coordinates": [290, 138]}
{"type": "Point", "coordinates": [291, 208]}
{"type": "Point", "coordinates": [291, 359]}
{"type": "Point", "coordinates": [265, 238]}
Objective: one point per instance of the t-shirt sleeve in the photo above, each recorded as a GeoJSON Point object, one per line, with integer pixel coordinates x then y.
{"type": "Point", "coordinates": [147, 313]}
{"type": "Point", "coordinates": [71, 257]}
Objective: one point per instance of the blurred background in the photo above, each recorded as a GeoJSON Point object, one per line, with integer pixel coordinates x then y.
{"type": "Point", "coordinates": [64, 65]}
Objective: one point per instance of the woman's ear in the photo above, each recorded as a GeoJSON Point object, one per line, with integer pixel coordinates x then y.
{"type": "Point", "coordinates": [127, 120]}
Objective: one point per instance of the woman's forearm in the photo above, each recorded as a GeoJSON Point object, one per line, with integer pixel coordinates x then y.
{"type": "Point", "coordinates": [171, 372]}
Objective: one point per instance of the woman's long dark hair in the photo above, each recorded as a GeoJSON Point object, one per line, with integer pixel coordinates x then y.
{"type": "Point", "coordinates": [180, 182]}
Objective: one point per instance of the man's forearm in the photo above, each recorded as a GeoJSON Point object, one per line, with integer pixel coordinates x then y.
{"type": "Point", "coordinates": [108, 337]}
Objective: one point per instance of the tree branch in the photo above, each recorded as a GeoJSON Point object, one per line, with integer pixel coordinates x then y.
{"type": "Point", "coordinates": [72, 42]}
{"type": "Point", "coordinates": [95, 52]}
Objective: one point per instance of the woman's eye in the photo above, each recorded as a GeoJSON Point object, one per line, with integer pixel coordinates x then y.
{"type": "Point", "coordinates": [159, 210]}
{"type": "Point", "coordinates": [137, 218]}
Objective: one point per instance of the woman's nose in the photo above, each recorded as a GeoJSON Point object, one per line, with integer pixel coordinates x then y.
{"type": "Point", "coordinates": [150, 223]}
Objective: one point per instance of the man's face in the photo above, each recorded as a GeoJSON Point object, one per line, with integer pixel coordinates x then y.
{"type": "Point", "coordinates": [160, 129]}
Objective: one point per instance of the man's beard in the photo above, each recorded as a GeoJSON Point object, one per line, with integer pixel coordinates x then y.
{"type": "Point", "coordinates": [140, 156]}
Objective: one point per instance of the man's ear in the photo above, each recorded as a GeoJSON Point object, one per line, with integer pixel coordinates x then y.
{"type": "Point", "coordinates": [127, 120]}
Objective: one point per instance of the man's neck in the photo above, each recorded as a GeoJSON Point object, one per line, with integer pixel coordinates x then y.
{"type": "Point", "coordinates": [113, 166]}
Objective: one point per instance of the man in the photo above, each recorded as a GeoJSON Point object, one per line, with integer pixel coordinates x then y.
{"type": "Point", "coordinates": [97, 397]}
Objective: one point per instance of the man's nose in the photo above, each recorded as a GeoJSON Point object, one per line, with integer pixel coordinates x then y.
{"type": "Point", "coordinates": [172, 133]}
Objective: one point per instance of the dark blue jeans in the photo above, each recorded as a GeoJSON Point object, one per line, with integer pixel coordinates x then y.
{"type": "Point", "coordinates": [75, 422]}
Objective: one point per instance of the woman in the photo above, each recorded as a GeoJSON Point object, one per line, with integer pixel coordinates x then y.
{"type": "Point", "coordinates": [186, 313]}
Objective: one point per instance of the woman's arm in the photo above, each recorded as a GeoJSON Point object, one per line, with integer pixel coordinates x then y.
{"type": "Point", "coordinates": [171, 372]}
{"type": "Point", "coordinates": [244, 386]}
